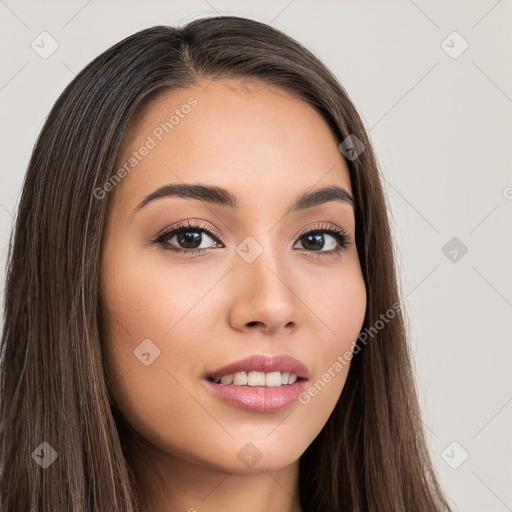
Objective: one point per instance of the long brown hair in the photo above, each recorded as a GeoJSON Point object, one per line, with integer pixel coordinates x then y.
{"type": "Point", "coordinates": [372, 453]}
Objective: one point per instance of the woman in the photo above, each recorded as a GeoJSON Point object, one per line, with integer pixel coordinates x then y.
{"type": "Point", "coordinates": [201, 308]}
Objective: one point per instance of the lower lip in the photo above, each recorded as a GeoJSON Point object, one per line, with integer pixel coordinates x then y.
{"type": "Point", "coordinates": [259, 398]}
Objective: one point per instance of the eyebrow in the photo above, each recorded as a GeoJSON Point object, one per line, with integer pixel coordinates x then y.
{"type": "Point", "coordinates": [223, 197]}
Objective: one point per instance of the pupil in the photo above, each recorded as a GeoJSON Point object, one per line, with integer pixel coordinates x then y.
{"type": "Point", "coordinates": [190, 239]}
{"type": "Point", "coordinates": [317, 241]}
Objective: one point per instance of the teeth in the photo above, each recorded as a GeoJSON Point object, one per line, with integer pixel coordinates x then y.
{"type": "Point", "coordinates": [271, 379]}
{"type": "Point", "coordinates": [240, 379]}
{"type": "Point", "coordinates": [256, 379]}
{"type": "Point", "coordinates": [226, 379]}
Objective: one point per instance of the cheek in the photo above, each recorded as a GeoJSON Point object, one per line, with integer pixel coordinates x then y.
{"type": "Point", "coordinates": [147, 297]}
{"type": "Point", "coordinates": [154, 325]}
{"type": "Point", "coordinates": [346, 311]}
{"type": "Point", "coordinates": [340, 307]}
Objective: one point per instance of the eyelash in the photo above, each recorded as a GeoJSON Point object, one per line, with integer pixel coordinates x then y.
{"type": "Point", "coordinates": [341, 236]}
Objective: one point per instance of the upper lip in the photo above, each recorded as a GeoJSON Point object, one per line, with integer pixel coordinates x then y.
{"type": "Point", "coordinates": [264, 363]}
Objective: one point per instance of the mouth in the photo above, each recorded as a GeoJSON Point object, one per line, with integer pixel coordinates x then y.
{"type": "Point", "coordinates": [260, 383]}
{"type": "Point", "coordinates": [254, 370]}
{"type": "Point", "coordinates": [245, 378]}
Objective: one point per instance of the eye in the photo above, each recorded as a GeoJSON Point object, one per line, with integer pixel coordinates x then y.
{"type": "Point", "coordinates": [327, 240]}
{"type": "Point", "coordinates": [187, 238]}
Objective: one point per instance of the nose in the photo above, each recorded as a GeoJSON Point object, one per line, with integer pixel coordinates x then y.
{"type": "Point", "coordinates": [263, 296]}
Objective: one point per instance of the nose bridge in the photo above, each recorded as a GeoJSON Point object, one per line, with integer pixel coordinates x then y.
{"type": "Point", "coordinates": [264, 292]}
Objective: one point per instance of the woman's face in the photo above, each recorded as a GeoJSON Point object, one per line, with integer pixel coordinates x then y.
{"type": "Point", "coordinates": [176, 308]}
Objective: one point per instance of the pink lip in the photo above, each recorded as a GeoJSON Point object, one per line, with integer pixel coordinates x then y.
{"type": "Point", "coordinates": [264, 363]}
{"type": "Point", "coordinates": [261, 398]}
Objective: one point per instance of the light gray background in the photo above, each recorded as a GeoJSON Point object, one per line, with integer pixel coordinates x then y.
{"type": "Point", "coordinates": [441, 127]}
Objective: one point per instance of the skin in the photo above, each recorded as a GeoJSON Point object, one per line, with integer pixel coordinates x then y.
{"type": "Point", "coordinates": [266, 146]}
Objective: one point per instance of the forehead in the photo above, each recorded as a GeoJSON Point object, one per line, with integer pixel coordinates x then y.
{"type": "Point", "coordinates": [238, 134]}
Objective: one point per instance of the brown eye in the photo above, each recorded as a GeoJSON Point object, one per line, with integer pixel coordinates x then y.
{"type": "Point", "coordinates": [189, 238]}
{"type": "Point", "coordinates": [316, 241]}
{"type": "Point", "coordinates": [328, 241]}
